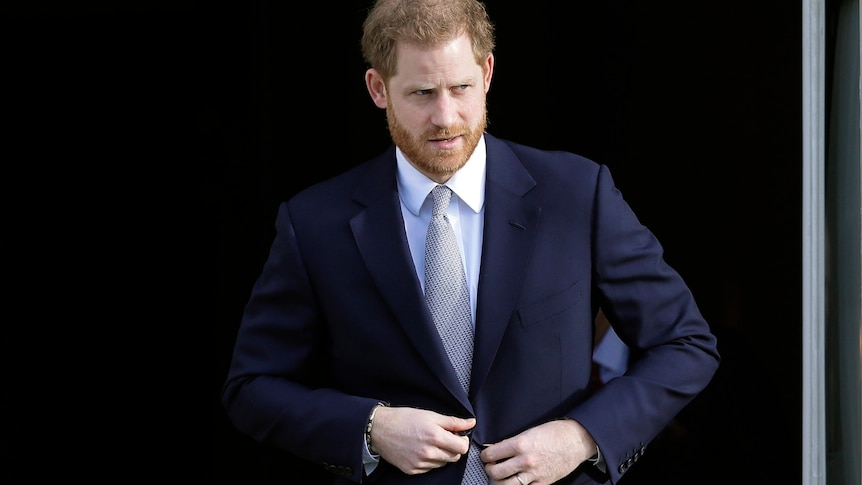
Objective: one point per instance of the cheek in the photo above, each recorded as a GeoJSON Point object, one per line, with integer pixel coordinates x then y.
{"type": "Point", "coordinates": [412, 118]}
{"type": "Point", "coordinates": [474, 109]}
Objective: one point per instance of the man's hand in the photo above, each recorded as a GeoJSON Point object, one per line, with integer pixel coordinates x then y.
{"type": "Point", "coordinates": [416, 440]}
{"type": "Point", "coordinates": [540, 455]}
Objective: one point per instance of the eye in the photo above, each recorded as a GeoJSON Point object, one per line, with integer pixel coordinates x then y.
{"type": "Point", "coordinates": [460, 89]}
{"type": "Point", "coordinates": [423, 92]}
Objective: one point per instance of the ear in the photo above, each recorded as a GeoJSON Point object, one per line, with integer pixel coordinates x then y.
{"type": "Point", "coordinates": [376, 88]}
{"type": "Point", "coordinates": [488, 68]}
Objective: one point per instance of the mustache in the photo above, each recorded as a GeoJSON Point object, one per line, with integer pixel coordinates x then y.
{"type": "Point", "coordinates": [446, 133]}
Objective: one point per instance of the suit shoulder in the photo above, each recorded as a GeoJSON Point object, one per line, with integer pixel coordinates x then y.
{"type": "Point", "coordinates": [342, 186]}
{"type": "Point", "coordinates": [557, 167]}
{"type": "Point", "coordinates": [532, 156]}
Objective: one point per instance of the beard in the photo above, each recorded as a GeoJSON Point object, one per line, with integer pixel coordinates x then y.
{"type": "Point", "coordinates": [428, 159]}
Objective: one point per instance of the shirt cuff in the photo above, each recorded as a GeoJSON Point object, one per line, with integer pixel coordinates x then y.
{"type": "Point", "coordinates": [369, 460]}
{"type": "Point", "coordinates": [598, 460]}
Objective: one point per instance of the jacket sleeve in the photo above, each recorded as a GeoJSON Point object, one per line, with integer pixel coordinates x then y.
{"type": "Point", "coordinates": [654, 313]}
{"type": "Point", "coordinates": [269, 393]}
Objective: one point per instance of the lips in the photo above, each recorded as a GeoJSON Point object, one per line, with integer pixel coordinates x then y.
{"type": "Point", "coordinates": [444, 140]}
{"type": "Point", "coordinates": [447, 143]}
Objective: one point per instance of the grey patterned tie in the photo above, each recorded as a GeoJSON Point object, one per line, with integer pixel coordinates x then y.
{"type": "Point", "coordinates": [449, 301]}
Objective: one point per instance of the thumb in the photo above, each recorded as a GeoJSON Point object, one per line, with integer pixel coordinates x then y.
{"type": "Point", "coordinates": [460, 425]}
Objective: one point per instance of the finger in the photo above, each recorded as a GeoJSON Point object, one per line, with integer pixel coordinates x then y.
{"type": "Point", "coordinates": [453, 456]}
{"type": "Point", "coordinates": [456, 444]}
{"type": "Point", "coordinates": [496, 453]}
{"type": "Point", "coordinates": [461, 426]}
{"type": "Point", "coordinates": [434, 457]}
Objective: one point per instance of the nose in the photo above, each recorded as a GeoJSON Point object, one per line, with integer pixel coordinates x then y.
{"type": "Point", "coordinates": [445, 111]}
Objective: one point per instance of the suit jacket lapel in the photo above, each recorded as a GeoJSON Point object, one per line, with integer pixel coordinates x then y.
{"type": "Point", "coordinates": [382, 242]}
{"type": "Point", "coordinates": [510, 223]}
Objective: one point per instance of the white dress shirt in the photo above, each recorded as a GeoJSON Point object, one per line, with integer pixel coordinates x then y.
{"type": "Point", "coordinates": [466, 213]}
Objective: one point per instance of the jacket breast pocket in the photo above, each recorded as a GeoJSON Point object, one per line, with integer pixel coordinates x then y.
{"type": "Point", "coordinates": [551, 306]}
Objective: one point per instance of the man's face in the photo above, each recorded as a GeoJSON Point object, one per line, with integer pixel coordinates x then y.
{"type": "Point", "coordinates": [435, 105]}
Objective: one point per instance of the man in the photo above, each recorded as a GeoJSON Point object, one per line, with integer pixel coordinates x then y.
{"type": "Point", "coordinates": [339, 359]}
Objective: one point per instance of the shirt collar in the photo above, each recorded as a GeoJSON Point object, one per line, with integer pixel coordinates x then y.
{"type": "Point", "coordinates": [468, 183]}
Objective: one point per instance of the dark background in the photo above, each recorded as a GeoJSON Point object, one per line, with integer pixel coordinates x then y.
{"type": "Point", "coordinates": [149, 143]}
{"type": "Point", "coordinates": [695, 106]}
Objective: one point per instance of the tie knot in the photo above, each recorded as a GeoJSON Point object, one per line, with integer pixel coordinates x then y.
{"type": "Point", "coordinates": [441, 195]}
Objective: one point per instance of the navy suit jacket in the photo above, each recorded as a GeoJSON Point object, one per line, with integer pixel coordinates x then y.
{"type": "Point", "coordinates": [337, 321]}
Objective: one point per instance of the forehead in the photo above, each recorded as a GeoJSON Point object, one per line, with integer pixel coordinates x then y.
{"type": "Point", "coordinates": [452, 58]}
